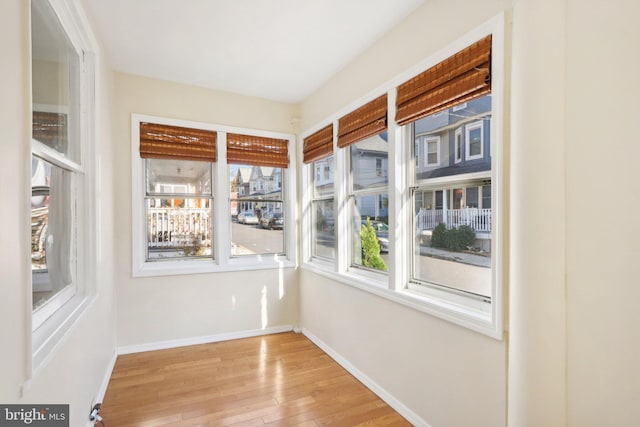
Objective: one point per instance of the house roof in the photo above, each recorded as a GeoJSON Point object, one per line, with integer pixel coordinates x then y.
{"type": "Point", "coordinates": [373, 144]}
{"type": "Point", "coordinates": [245, 173]}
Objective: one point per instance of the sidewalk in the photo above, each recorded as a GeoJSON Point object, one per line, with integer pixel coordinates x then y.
{"type": "Point", "coordinates": [462, 257]}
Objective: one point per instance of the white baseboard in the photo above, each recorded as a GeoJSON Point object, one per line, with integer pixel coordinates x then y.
{"type": "Point", "coordinates": [104, 384]}
{"type": "Point", "coordinates": [403, 410]}
{"type": "Point", "coordinates": [162, 345]}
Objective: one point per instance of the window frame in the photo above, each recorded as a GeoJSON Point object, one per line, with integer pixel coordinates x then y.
{"type": "Point", "coordinates": [468, 128]}
{"type": "Point", "coordinates": [316, 198]}
{"type": "Point", "coordinates": [459, 309]}
{"type": "Point", "coordinates": [457, 145]}
{"type": "Point", "coordinates": [222, 260]}
{"type": "Point", "coordinates": [426, 140]}
{"type": "Point", "coordinates": [48, 329]}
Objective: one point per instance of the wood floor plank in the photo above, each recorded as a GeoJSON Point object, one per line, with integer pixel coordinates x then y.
{"type": "Point", "coordinates": [273, 380]}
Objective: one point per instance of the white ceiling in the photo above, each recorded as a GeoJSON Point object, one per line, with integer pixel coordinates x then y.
{"type": "Point", "coordinates": [281, 50]}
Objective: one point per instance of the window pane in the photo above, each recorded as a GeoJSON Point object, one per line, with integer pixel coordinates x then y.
{"type": "Point", "coordinates": [452, 247]}
{"type": "Point", "coordinates": [178, 177]}
{"type": "Point", "coordinates": [452, 223]}
{"type": "Point", "coordinates": [451, 127]}
{"type": "Point", "coordinates": [55, 83]}
{"type": "Point", "coordinates": [258, 210]}
{"type": "Point", "coordinates": [475, 141]}
{"type": "Point", "coordinates": [323, 177]}
{"type": "Point", "coordinates": [52, 228]}
{"type": "Point", "coordinates": [179, 228]}
{"type": "Point", "coordinates": [369, 162]}
{"type": "Point", "coordinates": [323, 230]}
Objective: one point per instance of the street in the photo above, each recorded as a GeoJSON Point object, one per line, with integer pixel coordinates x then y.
{"type": "Point", "coordinates": [248, 239]}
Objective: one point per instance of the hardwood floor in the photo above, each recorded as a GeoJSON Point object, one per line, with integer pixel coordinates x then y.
{"type": "Point", "coordinates": [273, 380]}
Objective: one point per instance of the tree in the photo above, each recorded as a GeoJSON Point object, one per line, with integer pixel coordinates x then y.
{"type": "Point", "coordinates": [371, 248]}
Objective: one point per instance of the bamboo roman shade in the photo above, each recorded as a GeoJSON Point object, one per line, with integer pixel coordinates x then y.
{"type": "Point", "coordinates": [174, 142]}
{"type": "Point", "coordinates": [366, 121]}
{"type": "Point", "coordinates": [318, 145]}
{"type": "Point", "coordinates": [459, 78]}
{"type": "Point", "coordinates": [257, 150]}
{"type": "Point", "coordinates": [49, 128]}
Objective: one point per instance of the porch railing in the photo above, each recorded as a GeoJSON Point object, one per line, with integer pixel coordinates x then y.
{"type": "Point", "coordinates": [175, 228]}
{"type": "Point", "coordinates": [478, 219]}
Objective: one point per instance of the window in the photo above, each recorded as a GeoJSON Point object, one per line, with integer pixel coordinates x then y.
{"type": "Point", "coordinates": [370, 202]}
{"type": "Point", "coordinates": [179, 203]}
{"type": "Point", "coordinates": [323, 220]}
{"type": "Point", "coordinates": [432, 157]}
{"type": "Point", "coordinates": [62, 211]}
{"type": "Point", "coordinates": [452, 248]}
{"type": "Point", "coordinates": [258, 226]}
{"type": "Point", "coordinates": [474, 141]}
{"type": "Point", "coordinates": [318, 152]}
{"type": "Point", "coordinates": [425, 188]}
{"type": "Point", "coordinates": [260, 163]}
{"type": "Point", "coordinates": [209, 198]}
{"type": "Point", "coordinates": [458, 145]}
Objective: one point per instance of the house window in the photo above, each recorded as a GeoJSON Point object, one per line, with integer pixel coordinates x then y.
{"type": "Point", "coordinates": [62, 211]}
{"type": "Point", "coordinates": [458, 145]}
{"type": "Point", "coordinates": [432, 157]}
{"type": "Point", "coordinates": [474, 140]}
{"type": "Point", "coordinates": [369, 203]}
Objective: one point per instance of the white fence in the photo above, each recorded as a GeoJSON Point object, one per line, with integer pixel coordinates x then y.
{"type": "Point", "coordinates": [478, 219]}
{"type": "Point", "coordinates": [174, 228]}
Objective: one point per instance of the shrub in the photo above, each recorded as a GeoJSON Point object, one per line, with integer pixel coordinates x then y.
{"type": "Point", "coordinates": [371, 248]}
{"type": "Point", "coordinates": [455, 239]}
{"type": "Point", "coordinates": [438, 236]}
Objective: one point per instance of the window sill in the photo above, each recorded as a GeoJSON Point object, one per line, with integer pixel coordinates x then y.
{"type": "Point", "coordinates": [470, 315]}
{"type": "Point", "coordinates": [47, 336]}
{"type": "Point", "coordinates": [175, 268]}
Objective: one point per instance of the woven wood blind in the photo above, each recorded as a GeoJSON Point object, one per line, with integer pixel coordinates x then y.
{"type": "Point", "coordinates": [366, 121]}
{"type": "Point", "coordinates": [257, 150]}
{"type": "Point", "coordinates": [174, 142]}
{"type": "Point", "coordinates": [318, 145]}
{"type": "Point", "coordinates": [50, 129]}
{"type": "Point", "coordinates": [459, 78]}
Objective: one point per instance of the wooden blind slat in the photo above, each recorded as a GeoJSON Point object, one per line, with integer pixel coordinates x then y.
{"type": "Point", "coordinates": [459, 78]}
{"type": "Point", "coordinates": [175, 142]}
{"type": "Point", "coordinates": [257, 150]}
{"type": "Point", "coordinates": [50, 129]}
{"type": "Point", "coordinates": [366, 121]}
{"type": "Point", "coordinates": [318, 145]}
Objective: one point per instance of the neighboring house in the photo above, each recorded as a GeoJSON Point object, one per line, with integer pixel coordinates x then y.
{"type": "Point", "coordinates": [454, 147]}
{"type": "Point", "coordinates": [370, 167]}
{"type": "Point", "coordinates": [257, 183]}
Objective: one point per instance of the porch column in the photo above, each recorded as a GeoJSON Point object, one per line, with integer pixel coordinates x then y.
{"type": "Point", "coordinates": [445, 214]}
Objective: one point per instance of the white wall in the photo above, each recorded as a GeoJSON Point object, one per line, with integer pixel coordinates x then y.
{"type": "Point", "coordinates": [447, 375]}
{"type": "Point", "coordinates": [75, 370]}
{"type": "Point", "coordinates": [603, 236]}
{"type": "Point", "coordinates": [571, 357]}
{"type": "Point", "coordinates": [157, 309]}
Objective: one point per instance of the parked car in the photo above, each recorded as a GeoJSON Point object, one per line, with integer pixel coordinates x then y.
{"type": "Point", "coordinates": [272, 221]}
{"type": "Point", "coordinates": [382, 233]}
{"type": "Point", "coordinates": [247, 217]}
